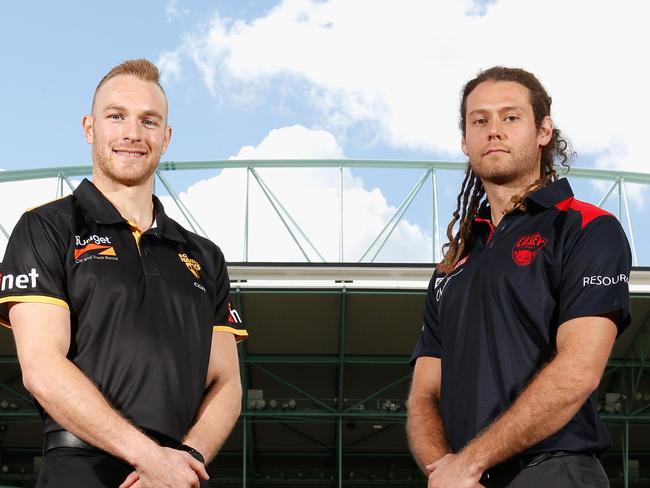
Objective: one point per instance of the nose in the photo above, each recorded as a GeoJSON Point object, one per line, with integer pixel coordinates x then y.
{"type": "Point", "coordinates": [495, 129]}
{"type": "Point", "coordinates": [132, 130]}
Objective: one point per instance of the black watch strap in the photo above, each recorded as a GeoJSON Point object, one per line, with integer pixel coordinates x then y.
{"type": "Point", "coordinates": [192, 452]}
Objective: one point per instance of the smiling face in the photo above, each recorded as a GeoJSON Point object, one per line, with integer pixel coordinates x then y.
{"type": "Point", "coordinates": [501, 139]}
{"type": "Point", "coordinates": [128, 130]}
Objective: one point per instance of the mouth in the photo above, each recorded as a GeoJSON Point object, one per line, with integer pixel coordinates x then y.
{"type": "Point", "coordinates": [129, 153]}
{"type": "Point", "coordinates": [495, 150]}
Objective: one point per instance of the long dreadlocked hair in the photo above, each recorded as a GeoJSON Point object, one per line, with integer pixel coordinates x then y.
{"type": "Point", "coordinates": [472, 194]}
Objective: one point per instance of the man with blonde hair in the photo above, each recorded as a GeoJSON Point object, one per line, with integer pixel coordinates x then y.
{"type": "Point", "coordinates": [122, 320]}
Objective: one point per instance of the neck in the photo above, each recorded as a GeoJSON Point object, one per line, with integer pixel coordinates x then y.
{"type": "Point", "coordinates": [500, 196]}
{"type": "Point", "coordinates": [133, 202]}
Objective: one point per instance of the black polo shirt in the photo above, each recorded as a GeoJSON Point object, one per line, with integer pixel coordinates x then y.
{"type": "Point", "coordinates": [142, 306]}
{"type": "Point", "coordinates": [493, 320]}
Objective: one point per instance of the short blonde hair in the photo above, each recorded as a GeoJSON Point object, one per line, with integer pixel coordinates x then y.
{"type": "Point", "coordinates": [142, 69]}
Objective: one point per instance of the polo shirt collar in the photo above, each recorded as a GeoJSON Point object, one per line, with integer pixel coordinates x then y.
{"type": "Point", "coordinates": [552, 194]}
{"type": "Point", "coordinates": [96, 204]}
{"type": "Point", "coordinates": [104, 212]}
{"type": "Point", "coordinates": [166, 226]}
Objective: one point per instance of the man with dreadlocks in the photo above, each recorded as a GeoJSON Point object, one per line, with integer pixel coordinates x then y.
{"type": "Point", "coordinates": [522, 312]}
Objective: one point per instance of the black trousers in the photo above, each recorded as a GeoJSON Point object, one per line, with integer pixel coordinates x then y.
{"type": "Point", "coordinates": [69, 467]}
{"type": "Point", "coordinates": [574, 471]}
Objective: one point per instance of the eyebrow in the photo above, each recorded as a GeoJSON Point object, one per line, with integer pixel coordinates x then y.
{"type": "Point", "coordinates": [501, 109]}
{"type": "Point", "coordinates": [120, 108]}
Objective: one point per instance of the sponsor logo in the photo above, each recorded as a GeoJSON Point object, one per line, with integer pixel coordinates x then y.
{"type": "Point", "coordinates": [233, 315]}
{"type": "Point", "coordinates": [95, 239]}
{"type": "Point", "coordinates": [192, 264]}
{"type": "Point", "coordinates": [22, 281]}
{"type": "Point", "coordinates": [93, 247]}
{"type": "Point", "coordinates": [526, 248]}
{"type": "Point", "coordinates": [200, 287]}
{"type": "Point", "coordinates": [599, 280]}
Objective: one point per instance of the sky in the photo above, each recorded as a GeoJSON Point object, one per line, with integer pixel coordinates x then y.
{"type": "Point", "coordinates": [307, 79]}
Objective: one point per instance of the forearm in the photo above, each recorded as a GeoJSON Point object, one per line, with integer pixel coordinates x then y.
{"type": "Point", "coordinates": [425, 431]}
{"type": "Point", "coordinates": [544, 407]}
{"type": "Point", "coordinates": [217, 415]}
{"type": "Point", "coordinates": [74, 402]}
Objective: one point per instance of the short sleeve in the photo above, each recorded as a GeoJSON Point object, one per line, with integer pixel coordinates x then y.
{"type": "Point", "coordinates": [33, 267]}
{"type": "Point", "coordinates": [226, 317]}
{"type": "Point", "coordinates": [429, 343]}
{"type": "Point", "coordinates": [596, 272]}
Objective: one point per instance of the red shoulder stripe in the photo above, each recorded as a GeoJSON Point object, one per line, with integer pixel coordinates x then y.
{"type": "Point", "coordinates": [588, 212]}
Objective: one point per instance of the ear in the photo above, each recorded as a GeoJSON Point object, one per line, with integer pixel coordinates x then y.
{"type": "Point", "coordinates": [167, 138]}
{"type": "Point", "coordinates": [87, 123]}
{"type": "Point", "coordinates": [463, 146]}
{"type": "Point", "coordinates": [545, 131]}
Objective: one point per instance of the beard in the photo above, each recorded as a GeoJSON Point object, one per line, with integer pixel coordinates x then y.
{"type": "Point", "coordinates": [134, 174]}
{"type": "Point", "coordinates": [519, 164]}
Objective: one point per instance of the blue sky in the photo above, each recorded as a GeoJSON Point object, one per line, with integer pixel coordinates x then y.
{"type": "Point", "coordinates": [371, 79]}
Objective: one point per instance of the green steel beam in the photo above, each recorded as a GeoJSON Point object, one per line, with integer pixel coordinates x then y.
{"type": "Point", "coordinates": [380, 391]}
{"type": "Point", "coordinates": [272, 198]}
{"type": "Point", "coordinates": [294, 387]}
{"type": "Point", "coordinates": [628, 216]}
{"type": "Point", "coordinates": [340, 382]}
{"type": "Point", "coordinates": [372, 434]}
{"type": "Point", "coordinates": [194, 224]}
{"type": "Point", "coordinates": [84, 170]}
{"type": "Point", "coordinates": [324, 359]}
{"type": "Point", "coordinates": [20, 395]}
{"type": "Point", "coordinates": [305, 435]}
{"type": "Point", "coordinates": [396, 217]}
{"type": "Point", "coordinates": [401, 213]}
{"type": "Point", "coordinates": [277, 211]}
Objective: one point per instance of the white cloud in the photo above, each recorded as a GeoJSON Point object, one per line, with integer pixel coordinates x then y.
{"type": "Point", "coordinates": [402, 68]}
{"type": "Point", "coordinates": [169, 64]}
{"type": "Point", "coordinates": [309, 195]}
{"type": "Point", "coordinates": [172, 11]}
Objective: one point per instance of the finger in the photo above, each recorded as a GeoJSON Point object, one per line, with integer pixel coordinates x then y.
{"type": "Point", "coordinates": [199, 468]}
{"type": "Point", "coordinates": [130, 480]}
{"type": "Point", "coordinates": [434, 465]}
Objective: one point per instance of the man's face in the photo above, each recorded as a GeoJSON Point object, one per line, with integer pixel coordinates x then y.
{"type": "Point", "coordinates": [503, 145]}
{"type": "Point", "coordinates": [128, 130]}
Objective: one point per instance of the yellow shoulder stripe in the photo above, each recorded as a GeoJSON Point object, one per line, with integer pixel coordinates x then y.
{"type": "Point", "coordinates": [35, 299]}
{"type": "Point", "coordinates": [240, 334]}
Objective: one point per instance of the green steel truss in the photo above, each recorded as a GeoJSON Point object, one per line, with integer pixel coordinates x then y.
{"type": "Point", "coordinates": [308, 249]}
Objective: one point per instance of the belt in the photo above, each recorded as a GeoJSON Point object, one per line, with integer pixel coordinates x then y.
{"type": "Point", "coordinates": [63, 438]}
{"type": "Point", "coordinates": [516, 465]}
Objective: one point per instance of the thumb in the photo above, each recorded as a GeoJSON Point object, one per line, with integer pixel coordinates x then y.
{"type": "Point", "coordinates": [199, 468]}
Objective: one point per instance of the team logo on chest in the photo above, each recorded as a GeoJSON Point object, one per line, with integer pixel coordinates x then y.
{"type": "Point", "coordinates": [526, 248]}
{"type": "Point", "coordinates": [192, 264]}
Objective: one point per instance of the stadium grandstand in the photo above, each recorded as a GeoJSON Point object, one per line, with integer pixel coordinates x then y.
{"type": "Point", "coordinates": [326, 368]}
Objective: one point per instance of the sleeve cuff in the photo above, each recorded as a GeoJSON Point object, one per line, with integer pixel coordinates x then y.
{"type": "Point", "coordinates": [4, 320]}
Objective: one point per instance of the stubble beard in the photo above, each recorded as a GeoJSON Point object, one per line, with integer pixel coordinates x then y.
{"type": "Point", "coordinates": [521, 165]}
{"type": "Point", "coordinates": [136, 175]}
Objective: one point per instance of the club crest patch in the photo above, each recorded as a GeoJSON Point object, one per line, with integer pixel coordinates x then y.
{"type": "Point", "coordinates": [192, 264]}
{"type": "Point", "coordinates": [526, 248]}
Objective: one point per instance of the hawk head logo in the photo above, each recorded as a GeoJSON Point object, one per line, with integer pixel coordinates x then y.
{"type": "Point", "coordinates": [192, 264]}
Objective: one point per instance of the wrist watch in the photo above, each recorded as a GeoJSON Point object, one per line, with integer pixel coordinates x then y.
{"type": "Point", "coordinates": [192, 452]}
